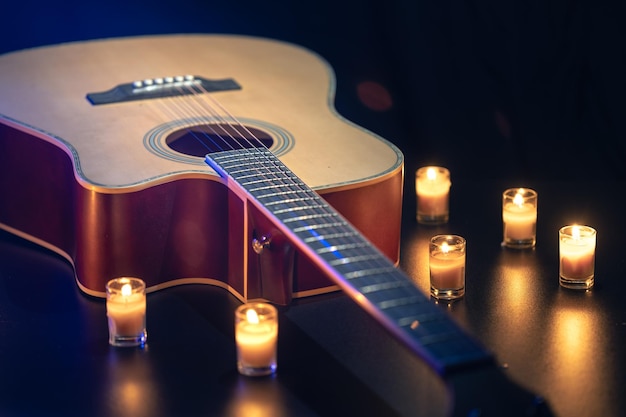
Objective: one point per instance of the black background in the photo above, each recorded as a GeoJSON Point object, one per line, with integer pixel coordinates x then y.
{"type": "Point", "coordinates": [519, 89]}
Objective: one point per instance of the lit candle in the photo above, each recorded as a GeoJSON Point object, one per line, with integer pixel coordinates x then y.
{"type": "Point", "coordinates": [432, 186]}
{"type": "Point", "coordinates": [256, 334]}
{"type": "Point", "coordinates": [577, 252]}
{"type": "Point", "coordinates": [126, 311]}
{"type": "Point", "coordinates": [519, 217]}
{"type": "Point", "coordinates": [447, 267]}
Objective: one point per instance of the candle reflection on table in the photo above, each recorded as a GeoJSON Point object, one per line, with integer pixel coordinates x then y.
{"type": "Point", "coordinates": [576, 336]}
{"type": "Point", "coordinates": [256, 397]}
{"type": "Point", "coordinates": [415, 258]}
{"type": "Point", "coordinates": [130, 382]}
{"type": "Point", "coordinates": [512, 282]}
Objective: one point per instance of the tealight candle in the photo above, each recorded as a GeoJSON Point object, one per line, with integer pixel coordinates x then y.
{"type": "Point", "coordinates": [577, 252]}
{"type": "Point", "coordinates": [519, 217]}
{"type": "Point", "coordinates": [256, 335]}
{"type": "Point", "coordinates": [126, 311]}
{"type": "Point", "coordinates": [447, 267]}
{"type": "Point", "coordinates": [432, 187]}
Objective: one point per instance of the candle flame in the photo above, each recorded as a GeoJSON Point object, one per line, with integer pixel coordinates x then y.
{"type": "Point", "coordinates": [518, 200]}
{"type": "Point", "coordinates": [445, 248]}
{"type": "Point", "coordinates": [431, 174]}
{"type": "Point", "coordinates": [252, 316]}
{"type": "Point", "coordinates": [576, 232]}
{"type": "Point", "coordinates": [126, 290]}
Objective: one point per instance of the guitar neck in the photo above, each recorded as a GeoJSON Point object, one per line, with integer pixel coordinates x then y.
{"type": "Point", "coordinates": [361, 270]}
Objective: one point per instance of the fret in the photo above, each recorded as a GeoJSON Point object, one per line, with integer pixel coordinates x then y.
{"type": "Point", "coordinates": [257, 180]}
{"type": "Point", "coordinates": [311, 227]}
{"type": "Point", "coordinates": [253, 174]}
{"type": "Point", "coordinates": [381, 286]}
{"type": "Point", "coordinates": [290, 201]}
{"type": "Point", "coordinates": [366, 272]}
{"type": "Point", "coordinates": [330, 249]}
{"type": "Point", "coordinates": [362, 248]}
{"type": "Point", "coordinates": [309, 217]}
{"type": "Point", "coordinates": [369, 266]}
{"type": "Point", "coordinates": [292, 209]}
{"type": "Point", "coordinates": [281, 194]}
{"type": "Point", "coordinates": [270, 186]}
{"type": "Point", "coordinates": [348, 258]}
{"type": "Point", "coordinates": [247, 176]}
{"type": "Point", "coordinates": [239, 167]}
{"type": "Point", "coordinates": [298, 207]}
{"type": "Point", "coordinates": [331, 236]}
{"type": "Point", "coordinates": [347, 246]}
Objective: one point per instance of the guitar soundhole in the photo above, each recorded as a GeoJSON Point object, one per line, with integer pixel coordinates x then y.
{"type": "Point", "coordinates": [215, 137]}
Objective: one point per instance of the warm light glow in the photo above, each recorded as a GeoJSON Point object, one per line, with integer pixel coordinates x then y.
{"type": "Point", "coordinates": [572, 335]}
{"type": "Point", "coordinates": [515, 290]}
{"type": "Point", "coordinates": [252, 316]}
{"type": "Point", "coordinates": [518, 200]}
{"type": "Point", "coordinates": [131, 394]}
{"type": "Point", "coordinates": [571, 330]}
{"type": "Point", "coordinates": [445, 248]}
{"type": "Point", "coordinates": [577, 335]}
{"type": "Point", "coordinates": [576, 232]}
{"type": "Point", "coordinates": [126, 290]}
{"type": "Point", "coordinates": [251, 408]}
{"type": "Point", "coordinates": [431, 174]}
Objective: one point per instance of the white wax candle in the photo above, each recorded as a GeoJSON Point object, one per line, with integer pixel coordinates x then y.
{"type": "Point", "coordinates": [519, 217]}
{"type": "Point", "coordinates": [126, 312]}
{"type": "Point", "coordinates": [256, 340]}
{"type": "Point", "coordinates": [447, 270]}
{"type": "Point", "coordinates": [519, 221]}
{"type": "Point", "coordinates": [432, 186]}
{"type": "Point", "coordinates": [577, 253]}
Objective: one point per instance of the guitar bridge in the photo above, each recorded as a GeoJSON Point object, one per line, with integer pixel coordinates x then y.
{"type": "Point", "coordinates": [161, 87]}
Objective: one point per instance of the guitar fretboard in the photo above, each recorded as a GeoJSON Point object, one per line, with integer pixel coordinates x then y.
{"type": "Point", "coordinates": [356, 265]}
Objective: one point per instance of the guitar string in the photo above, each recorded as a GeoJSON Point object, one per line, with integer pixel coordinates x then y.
{"type": "Point", "coordinates": [205, 99]}
{"type": "Point", "coordinates": [207, 103]}
{"type": "Point", "coordinates": [200, 103]}
{"type": "Point", "coordinates": [182, 110]}
{"type": "Point", "coordinates": [371, 262]}
{"type": "Point", "coordinates": [273, 168]}
{"type": "Point", "coordinates": [368, 267]}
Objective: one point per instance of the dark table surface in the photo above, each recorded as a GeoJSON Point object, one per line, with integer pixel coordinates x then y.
{"type": "Point", "coordinates": [567, 346]}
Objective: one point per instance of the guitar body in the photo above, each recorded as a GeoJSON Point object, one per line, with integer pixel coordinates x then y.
{"type": "Point", "coordinates": [99, 162]}
{"type": "Point", "coordinates": [105, 187]}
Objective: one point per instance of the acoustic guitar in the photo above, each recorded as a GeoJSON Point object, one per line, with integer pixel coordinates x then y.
{"type": "Point", "coordinates": [220, 160]}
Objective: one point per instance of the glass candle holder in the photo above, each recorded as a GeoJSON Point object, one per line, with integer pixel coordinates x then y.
{"type": "Point", "coordinates": [432, 187]}
{"type": "Point", "coordinates": [256, 336]}
{"type": "Point", "coordinates": [126, 311]}
{"type": "Point", "coordinates": [447, 267]}
{"type": "Point", "coordinates": [577, 253]}
{"type": "Point", "coordinates": [519, 218]}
